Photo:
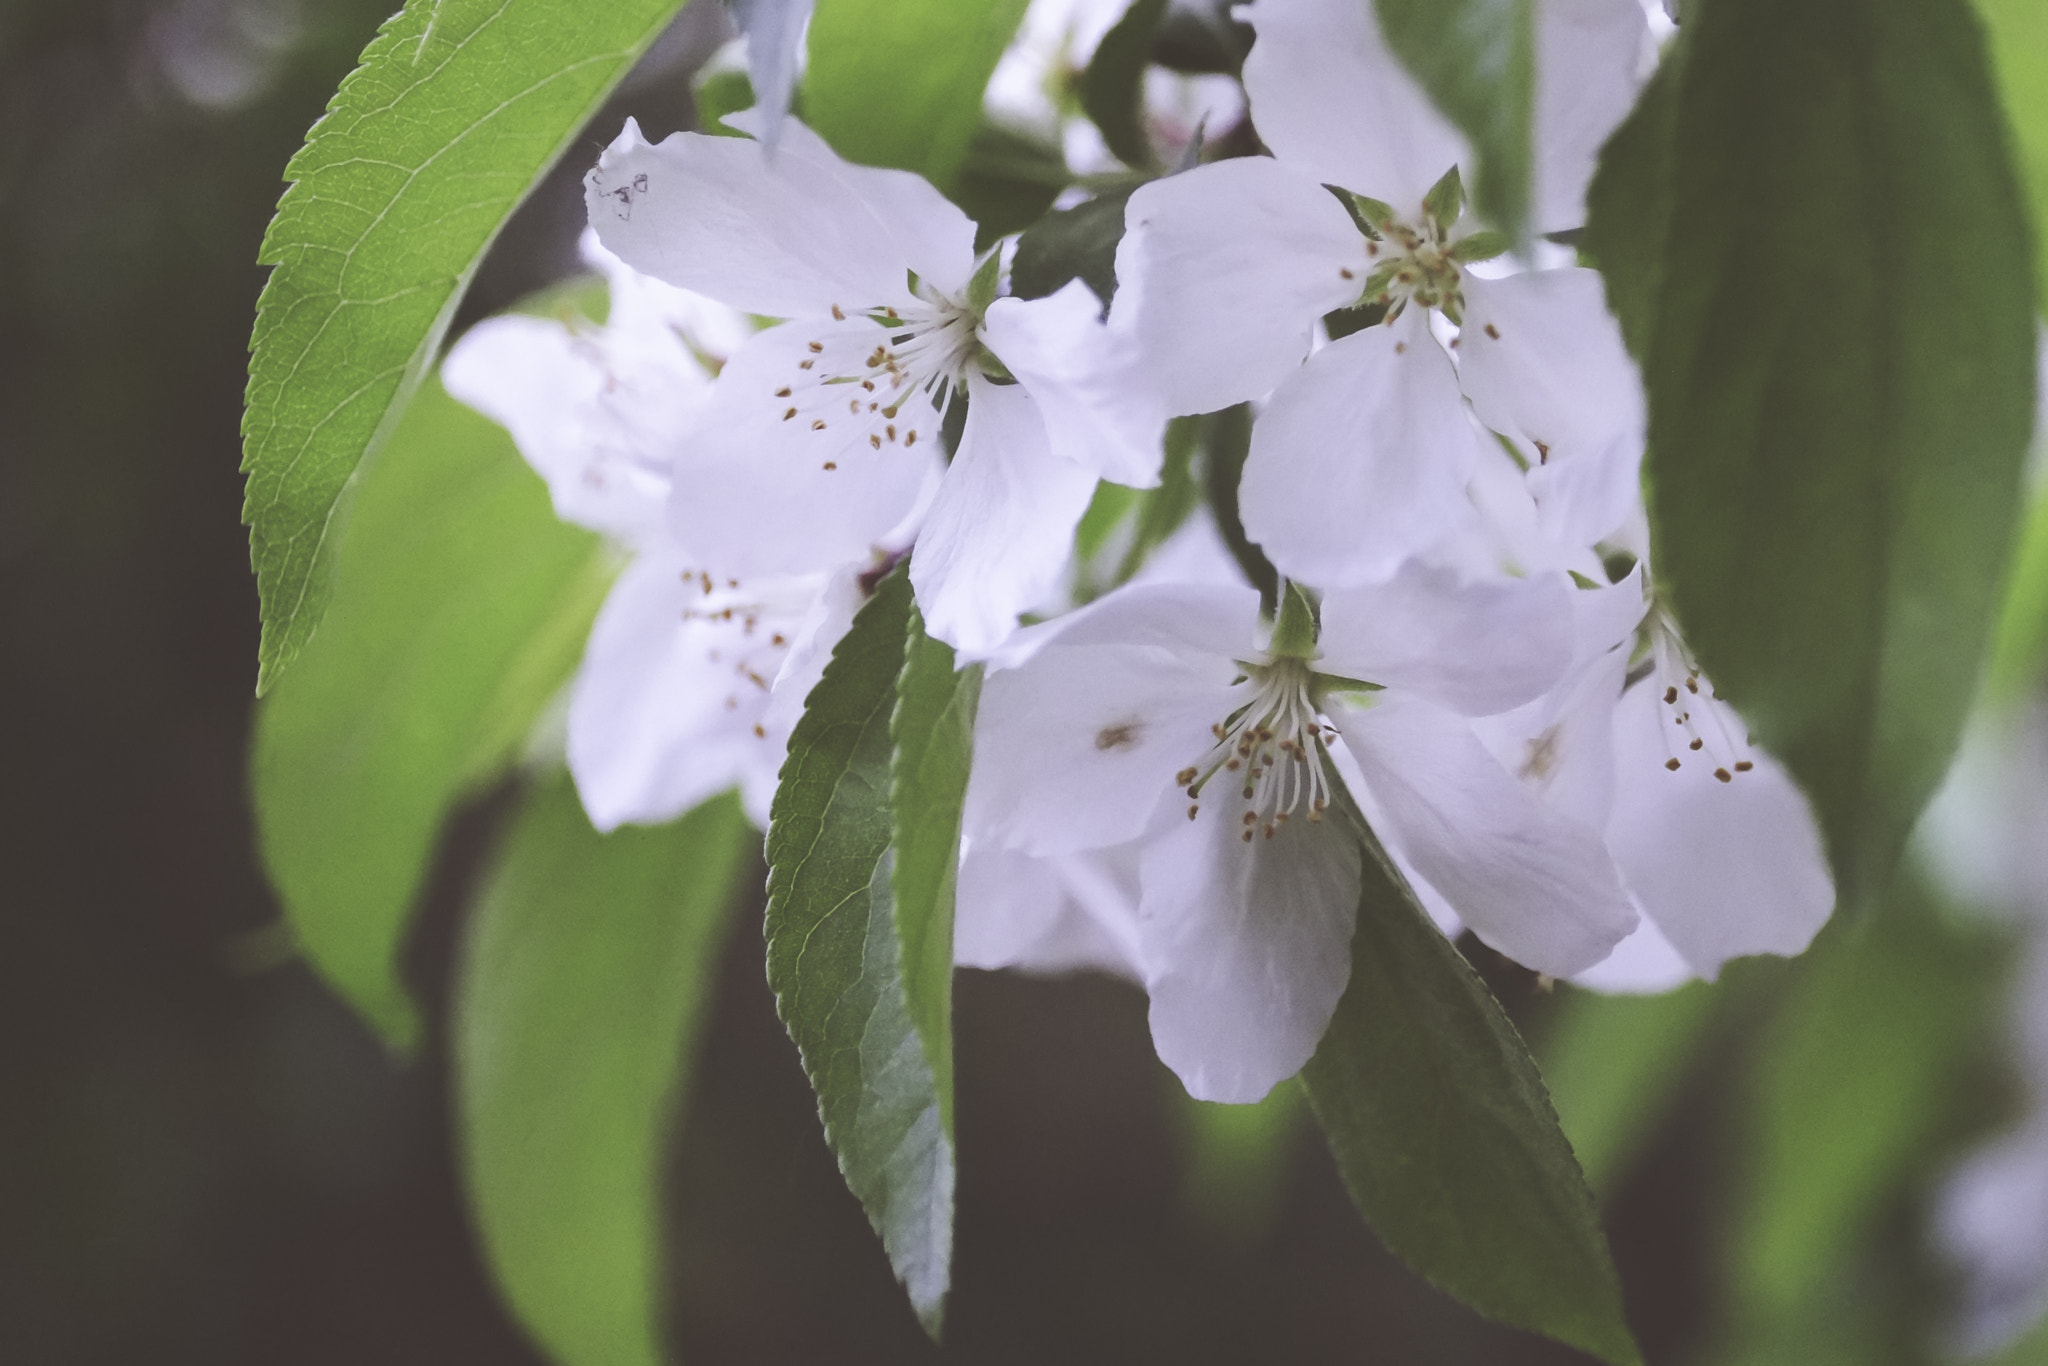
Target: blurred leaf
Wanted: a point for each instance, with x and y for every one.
(933, 734)
(837, 962)
(1860, 1068)
(1226, 443)
(1614, 1064)
(1237, 1160)
(899, 82)
(1113, 86)
(2019, 50)
(457, 111)
(461, 610)
(1071, 244)
(2019, 654)
(1477, 60)
(1818, 248)
(588, 970)
(1446, 1140)
(1008, 181)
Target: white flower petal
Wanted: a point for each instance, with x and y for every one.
(1000, 531)
(1477, 647)
(1201, 620)
(1543, 362)
(664, 707)
(1360, 459)
(787, 235)
(1725, 869)
(1084, 375)
(1247, 946)
(1075, 748)
(1328, 96)
(1589, 65)
(1643, 964)
(545, 386)
(762, 490)
(1535, 884)
(1221, 276)
(1062, 914)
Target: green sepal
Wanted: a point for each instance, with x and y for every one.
(1445, 202)
(1483, 245)
(981, 290)
(1371, 215)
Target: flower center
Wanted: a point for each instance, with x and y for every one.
(1268, 752)
(890, 385)
(1420, 266)
(1702, 726)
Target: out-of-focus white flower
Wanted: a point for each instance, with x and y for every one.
(692, 680)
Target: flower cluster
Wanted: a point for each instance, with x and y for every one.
(1463, 664)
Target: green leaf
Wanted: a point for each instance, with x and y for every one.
(457, 111)
(837, 960)
(933, 734)
(899, 82)
(1862, 1068)
(1446, 1140)
(1113, 86)
(1614, 1064)
(461, 610)
(586, 975)
(1071, 244)
(1817, 247)
(1008, 181)
(1477, 60)
(2019, 49)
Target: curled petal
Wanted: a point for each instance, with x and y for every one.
(1535, 884)
(1061, 914)
(1591, 58)
(1360, 460)
(1000, 530)
(1222, 274)
(1084, 375)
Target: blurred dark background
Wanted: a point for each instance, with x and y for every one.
(205, 1158)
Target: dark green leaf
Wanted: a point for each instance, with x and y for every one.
(461, 610)
(587, 972)
(933, 732)
(1113, 86)
(1614, 1064)
(1817, 246)
(1446, 1140)
(1477, 60)
(899, 82)
(1227, 443)
(1863, 1065)
(1008, 181)
(1073, 244)
(837, 961)
(458, 109)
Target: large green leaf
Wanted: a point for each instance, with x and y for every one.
(933, 732)
(839, 964)
(1819, 252)
(457, 110)
(586, 975)
(899, 82)
(462, 608)
(1477, 60)
(1446, 1140)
